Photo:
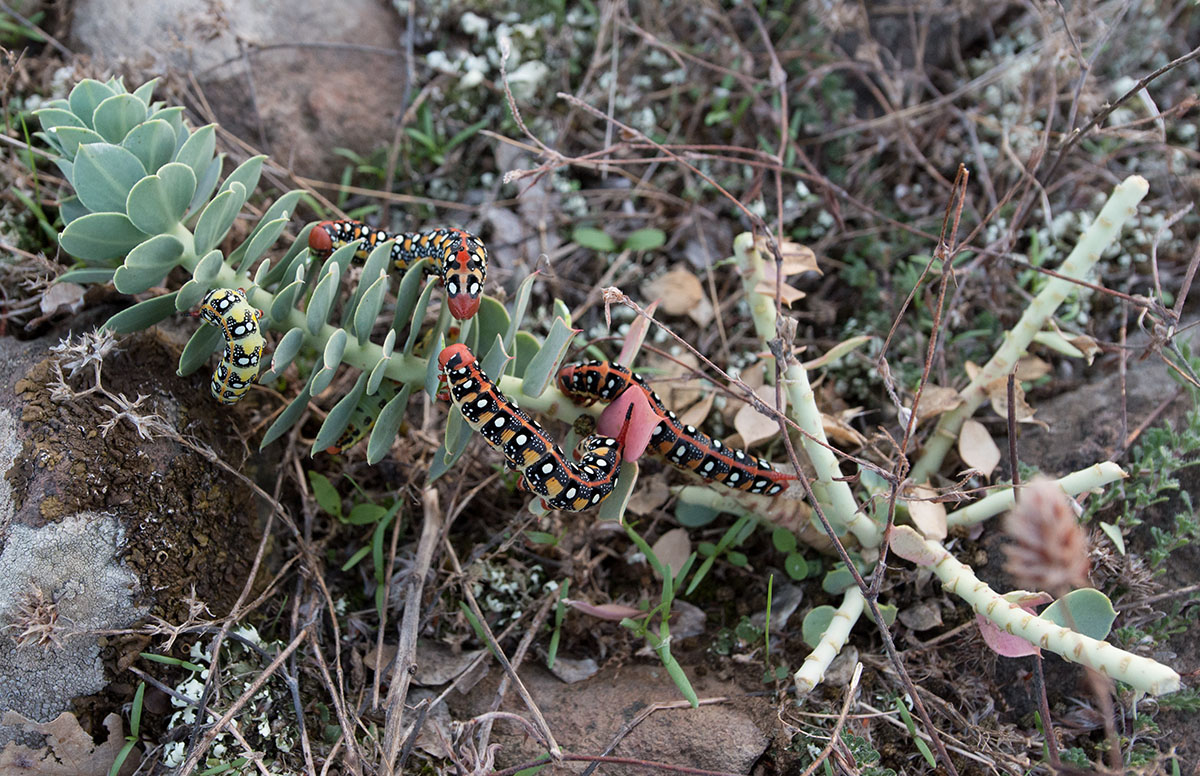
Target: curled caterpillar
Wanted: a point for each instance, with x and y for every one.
(526, 446)
(228, 309)
(684, 447)
(460, 259)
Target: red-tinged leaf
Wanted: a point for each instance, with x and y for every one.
(611, 612)
(1001, 641)
(636, 335)
(642, 421)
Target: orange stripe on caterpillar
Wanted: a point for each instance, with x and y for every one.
(526, 446)
(459, 257)
(229, 310)
(684, 447)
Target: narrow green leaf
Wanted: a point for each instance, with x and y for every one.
(207, 268)
(173, 116)
(326, 494)
(527, 347)
(57, 117)
(117, 116)
(321, 301)
(159, 252)
(206, 183)
(100, 236)
(520, 304)
(156, 203)
(197, 151)
(218, 216)
(288, 418)
(86, 95)
(204, 341)
(456, 429)
(378, 261)
(339, 417)
(86, 275)
(190, 294)
(145, 91)
(260, 240)
(71, 138)
(543, 367)
(142, 315)
(408, 295)
(614, 505)
(71, 208)
(379, 370)
(495, 359)
(369, 307)
(153, 143)
(418, 315)
(247, 173)
(286, 350)
(135, 280)
(285, 300)
(595, 239)
(335, 348)
(387, 425)
(104, 174)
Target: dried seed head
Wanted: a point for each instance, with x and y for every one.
(1050, 548)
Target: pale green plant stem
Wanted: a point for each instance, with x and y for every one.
(1121, 205)
(812, 671)
(1095, 476)
(1141, 673)
(831, 491)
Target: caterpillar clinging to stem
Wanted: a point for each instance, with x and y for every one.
(684, 447)
(229, 310)
(526, 446)
(459, 258)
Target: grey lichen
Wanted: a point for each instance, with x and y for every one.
(58, 584)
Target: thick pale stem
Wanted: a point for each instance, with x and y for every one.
(1095, 476)
(832, 640)
(1141, 673)
(1095, 240)
(831, 491)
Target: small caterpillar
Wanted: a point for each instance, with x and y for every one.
(229, 310)
(684, 447)
(460, 258)
(526, 446)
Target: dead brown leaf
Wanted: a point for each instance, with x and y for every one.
(935, 400)
(928, 516)
(976, 447)
(673, 548)
(752, 426)
(679, 289)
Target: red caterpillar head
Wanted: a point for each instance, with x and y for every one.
(464, 268)
(455, 357)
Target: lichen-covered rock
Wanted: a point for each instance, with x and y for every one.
(102, 523)
(58, 582)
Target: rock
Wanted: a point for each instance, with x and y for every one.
(587, 716)
(299, 78)
(100, 526)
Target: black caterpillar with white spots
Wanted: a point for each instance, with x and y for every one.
(228, 309)
(684, 447)
(460, 258)
(526, 446)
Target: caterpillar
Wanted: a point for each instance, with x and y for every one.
(228, 309)
(460, 258)
(685, 447)
(526, 446)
